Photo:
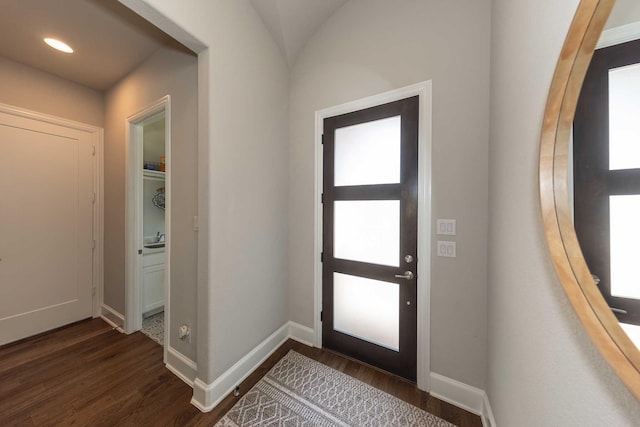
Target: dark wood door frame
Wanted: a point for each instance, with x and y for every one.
(402, 361)
(593, 181)
(424, 91)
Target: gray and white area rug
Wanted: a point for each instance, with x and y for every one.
(299, 391)
(153, 327)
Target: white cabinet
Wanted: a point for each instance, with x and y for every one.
(153, 271)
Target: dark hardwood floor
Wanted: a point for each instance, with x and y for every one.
(87, 374)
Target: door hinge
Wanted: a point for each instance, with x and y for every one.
(93, 199)
(322, 139)
(93, 150)
(321, 256)
(321, 316)
(322, 198)
(93, 244)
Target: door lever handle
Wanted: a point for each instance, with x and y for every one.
(618, 310)
(596, 279)
(407, 275)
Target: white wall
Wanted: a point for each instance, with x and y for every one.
(153, 137)
(372, 46)
(32, 89)
(152, 216)
(244, 298)
(542, 368)
(166, 72)
(153, 148)
(625, 12)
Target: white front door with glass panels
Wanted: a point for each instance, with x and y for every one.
(46, 226)
(370, 214)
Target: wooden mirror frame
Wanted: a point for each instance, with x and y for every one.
(573, 272)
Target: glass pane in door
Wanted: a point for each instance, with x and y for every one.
(368, 153)
(367, 231)
(367, 309)
(633, 332)
(624, 111)
(624, 216)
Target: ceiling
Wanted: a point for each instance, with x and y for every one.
(293, 22)
(110, 40)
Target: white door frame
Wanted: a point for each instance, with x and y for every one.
(133, 222)
(619, 35)
(97, 136)
(423, 90)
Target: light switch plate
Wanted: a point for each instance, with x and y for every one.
(446, 249)
(446, 227)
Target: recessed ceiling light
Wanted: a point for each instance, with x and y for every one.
(57, 44)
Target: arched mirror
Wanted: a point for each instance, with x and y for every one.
(581, 182)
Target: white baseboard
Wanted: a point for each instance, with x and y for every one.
(112, 317)
(207, 396)
(202, 395)
(487, 414)
(463, 396)
(181, 366)
(302, 334)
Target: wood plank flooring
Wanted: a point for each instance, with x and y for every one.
(87, 374)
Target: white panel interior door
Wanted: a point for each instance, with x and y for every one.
(46, 226)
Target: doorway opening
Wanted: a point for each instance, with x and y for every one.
(148, 221)
(370, 216)
(331, 269)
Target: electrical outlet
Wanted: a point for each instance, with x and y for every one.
(446, 227)
(184, 333)
(446, 249)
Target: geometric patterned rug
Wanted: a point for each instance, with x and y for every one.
(153, 327)
(299, 391)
